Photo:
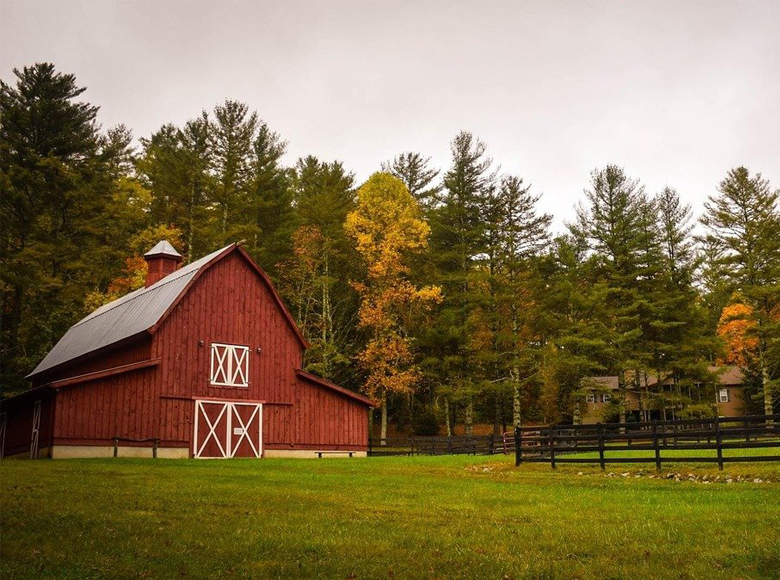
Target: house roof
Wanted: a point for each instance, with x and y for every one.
(141, 311)
(732, 376)
(728, 376)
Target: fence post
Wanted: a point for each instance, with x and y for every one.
(370, 446)
(518, 446)
(449, 445)
(601, 445)
(655, 445)
(154, 449)
(552, 448)
(116, 447)
(492, 444)
(718, 443)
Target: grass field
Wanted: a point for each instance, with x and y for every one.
(426, 517)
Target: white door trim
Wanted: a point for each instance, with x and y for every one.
(227, 415)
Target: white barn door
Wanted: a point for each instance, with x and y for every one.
(227, 429)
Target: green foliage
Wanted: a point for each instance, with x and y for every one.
(524, 320)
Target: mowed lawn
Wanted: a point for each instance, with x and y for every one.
(426, 517)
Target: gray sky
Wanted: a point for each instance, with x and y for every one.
(676, 92)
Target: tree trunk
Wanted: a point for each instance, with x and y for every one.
(516, 415)
(768, 407)
(576, 419)
(447, 416)
(383, 431)
(497, 415)
(623, 398)
(469, 416)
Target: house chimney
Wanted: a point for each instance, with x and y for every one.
(162, 260)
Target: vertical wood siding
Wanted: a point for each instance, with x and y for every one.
(228, 304)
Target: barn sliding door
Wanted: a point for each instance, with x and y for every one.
(228, 429)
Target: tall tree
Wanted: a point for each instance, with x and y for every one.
(617, 225)
(743, 223)
(415, 172)
(233, 132)
(387, 227)
(57, 175)
(271, 200)
(457, 240)
(176, 166)
(323, 196)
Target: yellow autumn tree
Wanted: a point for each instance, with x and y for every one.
(387, 228)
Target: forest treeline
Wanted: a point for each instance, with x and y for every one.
(440, 291)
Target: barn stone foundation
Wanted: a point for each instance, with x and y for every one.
(96, 451)
(309, 453)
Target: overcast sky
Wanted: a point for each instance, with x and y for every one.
(676, 92)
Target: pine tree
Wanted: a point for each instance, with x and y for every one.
(176, 167)
(617, 226)
(413, 169)
(323, 194)
(57, 176)
(233, 131)
(458, 240)
(271, 200)
(743, 223)
(682, 343)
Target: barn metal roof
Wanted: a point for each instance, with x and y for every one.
(123, 318)
(163, 248)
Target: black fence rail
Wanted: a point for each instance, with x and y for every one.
(573, 443)
(455, 445)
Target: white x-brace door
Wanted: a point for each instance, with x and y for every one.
(232, 427)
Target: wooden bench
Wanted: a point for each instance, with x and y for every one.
(321, 453)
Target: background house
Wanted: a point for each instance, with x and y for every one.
(654, 400)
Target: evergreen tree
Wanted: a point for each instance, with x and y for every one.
(743, 223)
(176, 166)
(323, 194)
(272, 201)
(57, 175)
(413, 169)
(233, 131)
(617, 226)
(458, 241)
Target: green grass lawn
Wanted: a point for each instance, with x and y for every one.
(422, 517)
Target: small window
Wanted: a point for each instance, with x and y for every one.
(590, 398)
(723, 396)
(606, 397)
(229, 365)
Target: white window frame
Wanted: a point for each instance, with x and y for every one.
(590, 398)
(723, 396)
(606, 398)
(231, 367)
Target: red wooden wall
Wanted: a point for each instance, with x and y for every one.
(229, 303)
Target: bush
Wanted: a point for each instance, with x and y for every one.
(425, 423)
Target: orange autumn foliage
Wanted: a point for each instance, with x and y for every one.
(736, 322)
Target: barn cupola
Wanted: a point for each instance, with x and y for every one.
(162, 260)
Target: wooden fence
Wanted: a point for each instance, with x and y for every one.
(572, 443)
(456, 445)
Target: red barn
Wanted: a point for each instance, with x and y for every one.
(205, 361)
